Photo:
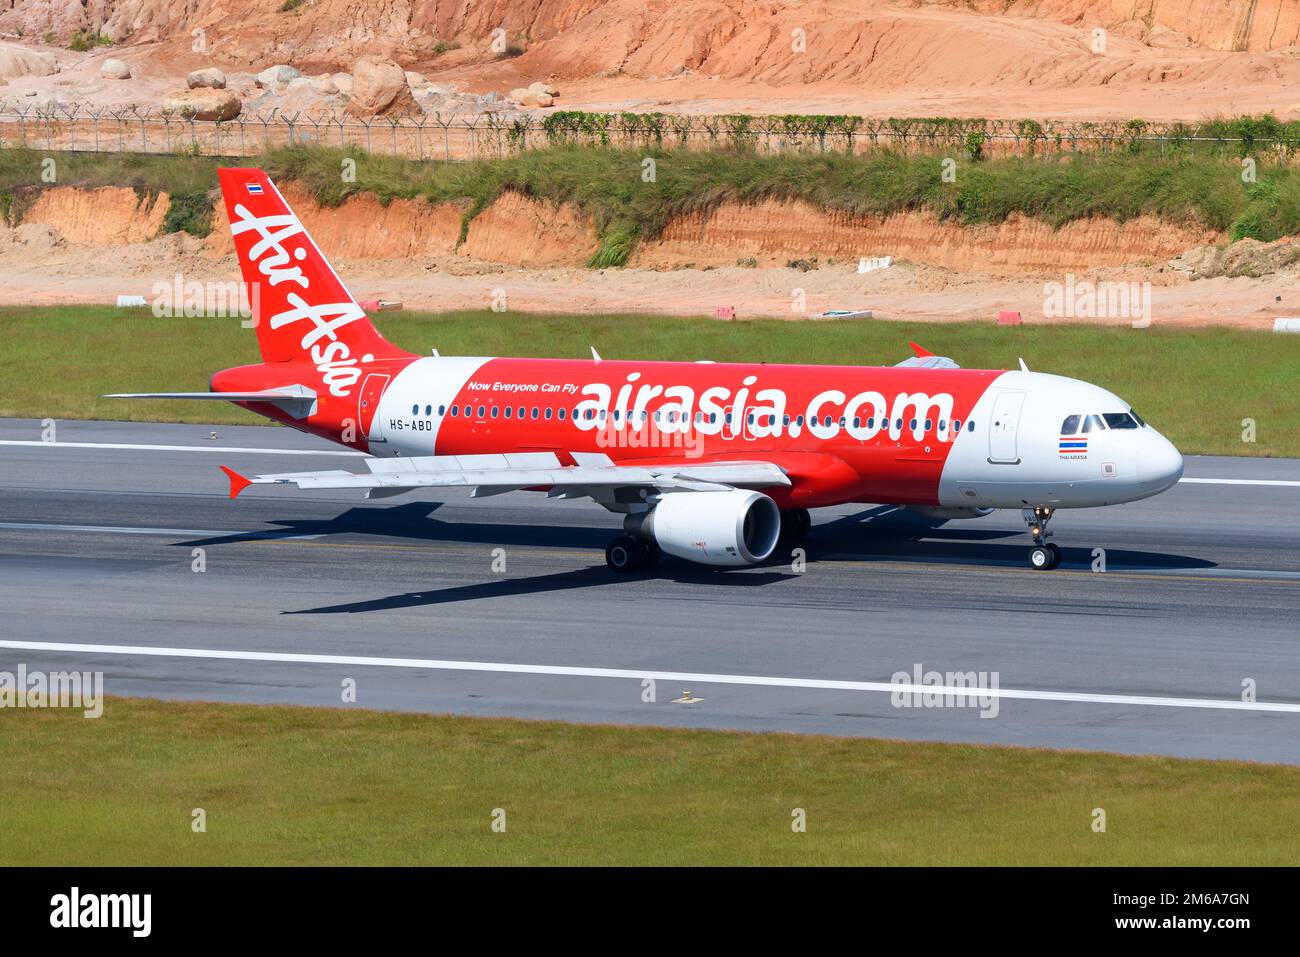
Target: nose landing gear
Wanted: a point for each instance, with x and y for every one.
(1044, 555)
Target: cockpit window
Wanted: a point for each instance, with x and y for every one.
(1092, 423)
(1137, 418)
(1071, 425)
(1119, 420)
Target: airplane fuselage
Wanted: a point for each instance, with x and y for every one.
(938, 438)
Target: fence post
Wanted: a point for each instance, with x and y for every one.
(72, 125)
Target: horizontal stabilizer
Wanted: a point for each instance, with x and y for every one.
(928, 362)
(296, 400)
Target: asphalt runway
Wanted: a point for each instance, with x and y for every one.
(302, 591)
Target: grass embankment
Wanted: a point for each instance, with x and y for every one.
(608, 185)
(1196, 386)
(317, 786)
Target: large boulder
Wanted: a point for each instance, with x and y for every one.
(344, 83)
(209, 78)
(203, 104)
(325, 84)
(540, 87)
(379, 88)
(112, 69)
(526, 96)
(276, 76)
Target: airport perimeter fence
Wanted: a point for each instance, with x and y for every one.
(440, 136)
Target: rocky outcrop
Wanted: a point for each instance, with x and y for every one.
(210, 78)
(362, 227)
(275, 77)
(527, 96)
(518, 230)
(112, 69)
(774, 233)
(112, 216)
(648, 37)
(379, 88)
(203, 104)
(16, 61)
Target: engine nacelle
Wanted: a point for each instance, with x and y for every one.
(950, 511)
(733, 527)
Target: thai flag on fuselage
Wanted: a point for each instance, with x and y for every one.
(1074, 444)
(255, 189)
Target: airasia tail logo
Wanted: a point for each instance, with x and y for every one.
(333, 357)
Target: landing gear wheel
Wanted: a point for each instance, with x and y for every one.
(624, 554)
(795, 524)
(1040, 558)
(1044, 555)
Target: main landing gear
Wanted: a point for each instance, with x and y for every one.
(1044, 556)
(626, 555)
(795, 524)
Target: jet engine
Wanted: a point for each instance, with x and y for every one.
(732, 527)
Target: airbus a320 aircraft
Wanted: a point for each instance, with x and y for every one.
(710, 462)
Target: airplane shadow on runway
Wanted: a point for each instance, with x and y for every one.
(896, 534)
(593, 577)
(881, 533)
(415, 521)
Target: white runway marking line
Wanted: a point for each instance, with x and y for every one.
(1286, 483)
(1224, 704)
(225, 449)
(109, 529)
(130, 530)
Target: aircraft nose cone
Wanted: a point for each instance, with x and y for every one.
(1161, 466)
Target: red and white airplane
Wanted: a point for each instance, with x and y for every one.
(709, 462)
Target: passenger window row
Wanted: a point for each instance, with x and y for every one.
(561, 414)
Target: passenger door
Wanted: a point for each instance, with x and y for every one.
(1004, 426)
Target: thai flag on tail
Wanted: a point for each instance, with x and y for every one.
(255, 189)
(1074, 444)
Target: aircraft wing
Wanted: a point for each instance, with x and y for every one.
(594, 475)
